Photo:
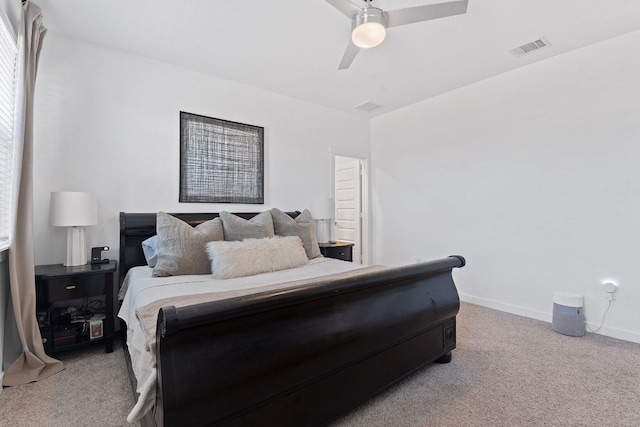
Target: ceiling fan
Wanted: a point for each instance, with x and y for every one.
(369, 24)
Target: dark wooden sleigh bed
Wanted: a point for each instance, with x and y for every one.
(299, 357)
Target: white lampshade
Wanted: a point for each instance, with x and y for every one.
(322, 208)
(74, 210)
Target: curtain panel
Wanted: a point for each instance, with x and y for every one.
(33, 364)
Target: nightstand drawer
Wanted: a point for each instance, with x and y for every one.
(66, 288)
(340, 251)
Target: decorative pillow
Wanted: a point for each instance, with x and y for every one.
(150, 249)
(182, 248)
(231, 259)
(236, 228)
(302, 226)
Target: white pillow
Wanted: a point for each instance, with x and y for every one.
(255, 256)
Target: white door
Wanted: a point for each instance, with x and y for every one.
(348, 203)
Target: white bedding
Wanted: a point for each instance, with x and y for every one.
(142, 289)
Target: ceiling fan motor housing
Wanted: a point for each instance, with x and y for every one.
(368, 27)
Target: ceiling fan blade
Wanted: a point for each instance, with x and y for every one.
(349, 55)
(346, 7)
(427, 12)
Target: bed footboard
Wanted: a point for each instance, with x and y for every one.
(303, 356)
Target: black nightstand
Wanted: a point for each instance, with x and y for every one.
(337, 250)
(70, 302)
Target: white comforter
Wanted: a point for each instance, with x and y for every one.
(142, 289)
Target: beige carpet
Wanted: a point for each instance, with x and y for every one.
(92, 391)
(507, 371)
(514, 371)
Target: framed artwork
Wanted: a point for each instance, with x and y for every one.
(220, 161)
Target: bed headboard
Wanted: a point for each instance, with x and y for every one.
(137, 227)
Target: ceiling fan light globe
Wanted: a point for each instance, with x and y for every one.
(369, 34)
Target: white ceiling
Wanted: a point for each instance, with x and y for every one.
(294, 47)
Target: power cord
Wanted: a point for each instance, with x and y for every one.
(602, 321)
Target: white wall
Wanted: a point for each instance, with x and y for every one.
(533, 176)
(108, 122)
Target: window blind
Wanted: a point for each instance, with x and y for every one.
(8, 51)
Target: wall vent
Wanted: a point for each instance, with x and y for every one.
(530, 47)
(367, 106)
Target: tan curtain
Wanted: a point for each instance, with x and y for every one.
(33, 364)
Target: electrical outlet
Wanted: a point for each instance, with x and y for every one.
(610, 288)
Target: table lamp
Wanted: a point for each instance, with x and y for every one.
(322, 210)
(74, 210)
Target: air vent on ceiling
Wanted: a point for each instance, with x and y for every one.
(367, 106)
(530, 47)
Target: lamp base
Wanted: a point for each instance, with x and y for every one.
(324, 231)
(76, 249)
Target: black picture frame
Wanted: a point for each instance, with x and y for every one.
(220, 161)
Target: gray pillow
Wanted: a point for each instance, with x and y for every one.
(182, 248)
(302, 226)
(236, 228)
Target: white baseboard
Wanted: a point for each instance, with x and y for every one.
(508, 308)
(621, 334)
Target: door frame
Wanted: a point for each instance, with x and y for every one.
(365, 162)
